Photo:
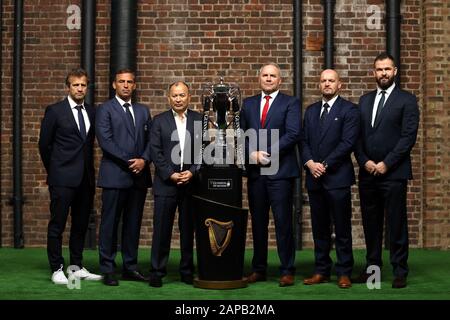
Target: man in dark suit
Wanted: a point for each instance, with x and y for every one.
(122, 129)
(330, 131)
(280, 115)
(66, 147)
(172, 151)
(389, 124)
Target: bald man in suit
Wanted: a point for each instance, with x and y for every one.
(330, 131)
(280, 115)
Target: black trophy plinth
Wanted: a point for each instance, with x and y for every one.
(221, 225)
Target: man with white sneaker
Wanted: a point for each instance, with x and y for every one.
(66, 147)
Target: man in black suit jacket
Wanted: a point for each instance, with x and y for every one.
(330, 131)
(172, 151)
(123, 134)
(389, 124)
(66, 147)
(279, 114)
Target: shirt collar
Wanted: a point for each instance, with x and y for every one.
(273, 95)
(122, 102)
(72, 103)
(388, 90)
(176, 114)
(330, 102)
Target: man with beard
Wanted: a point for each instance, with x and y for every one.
(330, 131)
(389, 123)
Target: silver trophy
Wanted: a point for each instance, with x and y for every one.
(221, 107)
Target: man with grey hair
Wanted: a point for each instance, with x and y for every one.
(280, 115)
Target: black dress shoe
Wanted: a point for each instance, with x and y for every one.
(110, 280)
(133, 276)
(399, 282)
(187, 278)
(155, 281)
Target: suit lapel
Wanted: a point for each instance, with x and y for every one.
(272, 109)
(171, 128)
(123, 115)
(257, 112)
(386, 106)
(68, 113)
(137, 118)
(369, 109)
(314, 121)
(172, 125)
(188, 142)
(90, 112)
(330, 118)
(189, 128)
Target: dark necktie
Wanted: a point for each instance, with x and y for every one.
(81, 122)
(265, 111)
(324, 114)
(129, 116)
(380, 106)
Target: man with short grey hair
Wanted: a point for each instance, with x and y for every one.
(279, 114)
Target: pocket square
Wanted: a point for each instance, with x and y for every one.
(336, 119)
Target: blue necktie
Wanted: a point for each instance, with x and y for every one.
(129, 116)
(81, 122)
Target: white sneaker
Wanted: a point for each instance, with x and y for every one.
(83, 274)
(58, 277)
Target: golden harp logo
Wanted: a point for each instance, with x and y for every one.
(219, 235)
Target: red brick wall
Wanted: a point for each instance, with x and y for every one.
(436, 124)
(198, 41)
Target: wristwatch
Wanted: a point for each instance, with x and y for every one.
(325, 164)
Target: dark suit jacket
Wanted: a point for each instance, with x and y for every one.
(284, 115)
(393, 135)
(64, 153)
(162, 147)
(333, 144)
(118, 143)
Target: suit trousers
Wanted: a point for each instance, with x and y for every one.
(79, 202)
(163, 219)
(329, 206)
(378, 197)
(263, 194)
(128, 203)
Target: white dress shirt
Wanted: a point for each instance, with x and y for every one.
(330, 103)
(378, 98)
(122, 102)
(273, 95)
(73, 105)
(180, 121)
